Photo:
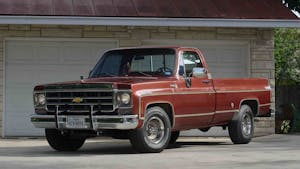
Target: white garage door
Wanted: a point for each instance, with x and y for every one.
(31, 62)
(225, 58)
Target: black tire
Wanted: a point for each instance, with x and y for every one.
(241, 128)
(141, 139)
(174, 137)
(61, 142)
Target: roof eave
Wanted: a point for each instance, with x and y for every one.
(145, 21)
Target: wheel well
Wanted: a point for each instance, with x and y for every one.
(253, 105)
(167, 108)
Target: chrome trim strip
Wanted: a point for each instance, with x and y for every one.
(238, 91)
(263, 105)
(207, 114)
(175, 93)
(208, 92)
(227, 111)
(194, 115)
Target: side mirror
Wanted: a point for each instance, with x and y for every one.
(199, 72)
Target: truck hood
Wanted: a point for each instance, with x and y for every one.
(114, 82)
(126, 80)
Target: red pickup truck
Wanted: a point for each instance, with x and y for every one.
(148, 95)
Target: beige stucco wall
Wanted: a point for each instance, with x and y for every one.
(261, 41)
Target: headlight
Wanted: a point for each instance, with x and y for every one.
(124, 99)
(39, 99)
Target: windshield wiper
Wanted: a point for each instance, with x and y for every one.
(105, 74)
(142, 73)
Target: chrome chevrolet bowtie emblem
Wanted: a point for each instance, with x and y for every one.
(77, 100)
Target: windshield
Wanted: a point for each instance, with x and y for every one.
(136, 62)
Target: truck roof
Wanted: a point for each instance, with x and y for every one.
(151, 47)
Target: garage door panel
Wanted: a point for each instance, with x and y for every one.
(21, 55)
(29, 63)
(51, 71)
(20, 75)
(71, 55)
(48, 54)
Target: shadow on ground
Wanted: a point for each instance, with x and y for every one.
(91, 148)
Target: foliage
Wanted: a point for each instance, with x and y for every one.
(285, 126)
(292, 4)
(287, 56)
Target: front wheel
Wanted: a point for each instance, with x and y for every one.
(241, 129)
(61, 142)
(174, 137)
(155, 134)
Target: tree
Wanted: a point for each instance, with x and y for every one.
(292, 4)
(287, 56)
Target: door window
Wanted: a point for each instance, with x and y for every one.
(190, 60)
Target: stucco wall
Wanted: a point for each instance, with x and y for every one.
(261, 41)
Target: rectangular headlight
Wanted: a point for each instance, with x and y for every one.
(124, 99)
(39, 99)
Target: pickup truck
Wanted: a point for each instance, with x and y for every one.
(148, 95)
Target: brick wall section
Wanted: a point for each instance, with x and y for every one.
(261, 41)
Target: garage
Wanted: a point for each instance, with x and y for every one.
(35, 61)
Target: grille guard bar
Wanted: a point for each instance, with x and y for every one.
(91, 122)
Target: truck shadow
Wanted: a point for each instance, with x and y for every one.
(190, 144)
(92, 148)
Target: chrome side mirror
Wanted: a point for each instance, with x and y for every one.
(199, 72)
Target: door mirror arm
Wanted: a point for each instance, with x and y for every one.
(188, 82)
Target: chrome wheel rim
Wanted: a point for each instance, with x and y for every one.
(246, 124)
(155, 130)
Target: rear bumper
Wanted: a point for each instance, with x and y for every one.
(124, 122)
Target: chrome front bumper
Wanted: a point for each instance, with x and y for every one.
(124, 122)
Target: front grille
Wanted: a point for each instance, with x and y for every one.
(101, 101)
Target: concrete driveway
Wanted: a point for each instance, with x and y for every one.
(276, 151)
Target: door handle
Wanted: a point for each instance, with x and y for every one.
(205, 81)
(173, 86)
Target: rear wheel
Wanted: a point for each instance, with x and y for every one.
(61, 142)
(155, 134)
(241, 129)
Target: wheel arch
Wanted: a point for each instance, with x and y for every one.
(167, 107)
(253, 103)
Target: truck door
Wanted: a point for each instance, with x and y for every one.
(195, 94)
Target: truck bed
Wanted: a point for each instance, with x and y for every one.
(230, 94)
